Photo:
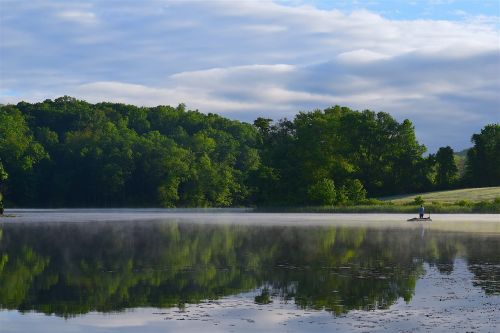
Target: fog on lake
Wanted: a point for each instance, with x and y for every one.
(227, 270)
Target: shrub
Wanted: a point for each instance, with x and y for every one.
(464, 203)
(342, 195)
(322, 192)
(355, 190)
(375, 202)
(418, 200)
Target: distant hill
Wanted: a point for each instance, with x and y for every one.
(469, 194)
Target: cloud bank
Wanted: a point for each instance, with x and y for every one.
(245, 59)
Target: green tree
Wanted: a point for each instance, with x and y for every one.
(323, 192)
(111, 154)
(446, 168)
(3, 177)
(68, 152)
(483, 159)
(355, 190)
(418, 200)
(160, 167)
(263, 125)
(342, 195)
(19, 153)
(341, 144)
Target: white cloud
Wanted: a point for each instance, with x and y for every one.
(361, 56)
(265, 28)
(151, 96)
(82, 17)
(252, 58)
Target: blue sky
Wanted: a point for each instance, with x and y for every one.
(454, 10)
(436, 62)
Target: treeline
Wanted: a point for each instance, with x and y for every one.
(71, 153)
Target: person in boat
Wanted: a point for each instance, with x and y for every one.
(421, 211)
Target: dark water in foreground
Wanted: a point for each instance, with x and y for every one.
(157, 271)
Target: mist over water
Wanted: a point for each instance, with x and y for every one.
(456, 222)
(225, 270)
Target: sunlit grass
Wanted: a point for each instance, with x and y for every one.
(468, 194)
(472, 200)
(487, 208)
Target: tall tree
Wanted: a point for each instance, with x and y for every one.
(68, 152)
(19, 153)
(446, 167)
(483, 159)
(340, 144)
(3, 177)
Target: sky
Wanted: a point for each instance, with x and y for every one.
(435, 62)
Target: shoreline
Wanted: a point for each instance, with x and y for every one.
(486, 224)
(356, 209)
(384, 209)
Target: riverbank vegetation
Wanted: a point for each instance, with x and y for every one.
(469, 200)
(471, 195)
(70, 153)
(459, 207)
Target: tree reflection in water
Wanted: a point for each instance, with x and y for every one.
(70, 269)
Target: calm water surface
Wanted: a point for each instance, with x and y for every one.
(233, 271)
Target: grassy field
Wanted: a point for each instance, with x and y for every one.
(491, 208)
(463, 201)
(468, 194)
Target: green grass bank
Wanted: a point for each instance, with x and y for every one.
(448, 197)
(463, 201)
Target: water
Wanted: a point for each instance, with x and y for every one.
(234, 271)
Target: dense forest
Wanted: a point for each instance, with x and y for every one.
(70, 153)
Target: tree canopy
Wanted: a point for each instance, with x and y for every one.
(70, 153)
(73, 153)
(483, 159)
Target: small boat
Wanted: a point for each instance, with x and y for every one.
(416, 219)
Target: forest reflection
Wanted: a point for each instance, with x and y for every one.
(70, 269)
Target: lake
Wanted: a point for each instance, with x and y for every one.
(225, 270)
